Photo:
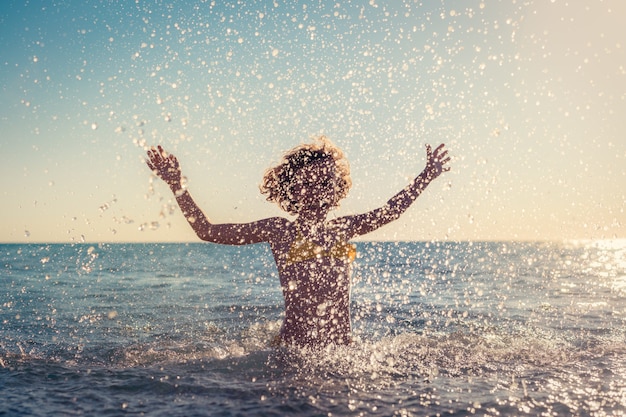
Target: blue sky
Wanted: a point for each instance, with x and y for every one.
(529, 96)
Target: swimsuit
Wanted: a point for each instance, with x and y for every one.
(302, 250)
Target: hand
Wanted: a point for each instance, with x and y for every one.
(165, 166)
(436, 161)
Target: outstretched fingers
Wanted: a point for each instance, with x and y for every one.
(158, 159)
(429, 154)
(438, 154)
(158, 156)
(152, 158)
(444, 159)
(153, 155)
(437, 160)
(441, 155)
(440, 150)
(163, 153)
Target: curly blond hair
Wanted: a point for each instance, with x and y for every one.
(278, 180)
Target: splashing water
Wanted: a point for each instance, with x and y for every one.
(489, 327)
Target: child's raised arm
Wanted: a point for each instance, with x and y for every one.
(166, 167)
(367, 222)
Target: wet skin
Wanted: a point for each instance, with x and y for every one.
(316, 290)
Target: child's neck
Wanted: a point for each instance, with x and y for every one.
(312, 217)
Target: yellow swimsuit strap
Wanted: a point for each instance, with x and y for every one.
(302, 250)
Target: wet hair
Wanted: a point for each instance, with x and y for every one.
(278, 180)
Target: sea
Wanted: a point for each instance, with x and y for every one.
(440, 329)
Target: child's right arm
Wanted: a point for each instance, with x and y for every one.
(166, 167)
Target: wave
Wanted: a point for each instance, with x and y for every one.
(424, 355)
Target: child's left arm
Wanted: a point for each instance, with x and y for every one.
(436, 164)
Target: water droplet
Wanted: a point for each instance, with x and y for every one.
(94, 126)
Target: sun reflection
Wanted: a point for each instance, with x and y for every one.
(612, 259)
(602, 259)
(609, 244)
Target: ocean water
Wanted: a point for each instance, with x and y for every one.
(441, 329)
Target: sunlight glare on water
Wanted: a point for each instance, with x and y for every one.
(184, 319)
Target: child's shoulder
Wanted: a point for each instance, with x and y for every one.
(278, 224)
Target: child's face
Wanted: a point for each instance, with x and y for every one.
(315, 185)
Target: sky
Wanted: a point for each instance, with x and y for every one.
(529, 97)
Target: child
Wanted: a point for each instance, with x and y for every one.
(312, 253)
